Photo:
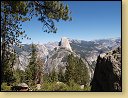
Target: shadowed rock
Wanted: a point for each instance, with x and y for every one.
(107, 75)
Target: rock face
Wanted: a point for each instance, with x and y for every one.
(107, 75)
(23, 57)
(90, 50)
(65, 43)
(51, 45)
(58, 60)
(42, 51)
(22, 60)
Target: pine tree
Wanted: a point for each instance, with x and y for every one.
(8, 71)
(54, 75)
(76, 71)
(19, 76)
(61, 76)
(39, 73)
(69, 73)
(32, 67)
(13, 13)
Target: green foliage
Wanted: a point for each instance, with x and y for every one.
(76, 74)
(54, 86)
(69, 74)
(40, 70)
(60, 87)
(19, 76)
(48, 86)
(5, 87)
(7, 70)
(61, 76)
(87, 88)
(8, 76)
(13, 13)
(76, 71)
(34, 71)
(53, 76)
(32, 67)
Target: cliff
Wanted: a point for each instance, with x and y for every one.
(65, 43)
(107, 75)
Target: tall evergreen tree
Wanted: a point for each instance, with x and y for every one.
(19, 76)
(54, 75)
(76, 71)
(39, 71)
(13, 13)
(32, 66)
(7, 72)
(69, 73)
(61, 76)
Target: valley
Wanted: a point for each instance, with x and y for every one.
(54, 57)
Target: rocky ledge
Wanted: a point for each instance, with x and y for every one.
(107, 75)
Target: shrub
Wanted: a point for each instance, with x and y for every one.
(5, 87)
(47, 86)
(74, 86)
(87, 88)
(60, 86)
(53, 86)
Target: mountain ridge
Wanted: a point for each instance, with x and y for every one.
(89, 50)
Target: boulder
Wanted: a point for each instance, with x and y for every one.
(20, 87)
